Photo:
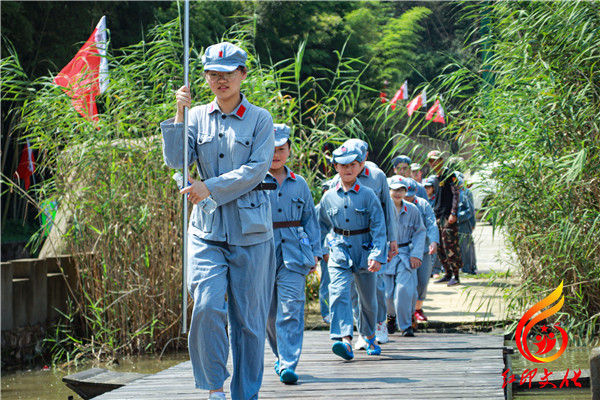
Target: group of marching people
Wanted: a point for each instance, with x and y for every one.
(248, 256)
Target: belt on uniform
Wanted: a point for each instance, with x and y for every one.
(403, 244)
(285, 224)
(347, 232)
(266, 186)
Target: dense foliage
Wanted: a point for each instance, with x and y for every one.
(534, 124)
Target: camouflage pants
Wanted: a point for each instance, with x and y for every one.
(449, 248)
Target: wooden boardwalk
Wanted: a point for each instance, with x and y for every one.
(427, 366)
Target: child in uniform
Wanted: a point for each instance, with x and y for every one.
(431, 241)
(356, 251)
(401, 277)
(375, 179)
(297, 248)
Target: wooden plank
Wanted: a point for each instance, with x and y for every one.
(428, 366)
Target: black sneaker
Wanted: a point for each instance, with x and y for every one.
(391, 324)
(408, 332)
(444, 279)
(454, 281)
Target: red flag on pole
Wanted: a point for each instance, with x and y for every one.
(26, 165)
(417, 102)
(438, 111)
(86, 75)
(401, 94)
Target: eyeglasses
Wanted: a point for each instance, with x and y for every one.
(213, 77)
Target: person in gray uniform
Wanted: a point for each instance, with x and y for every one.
(466, 223)
(400, 272)
(357, 248)
(324, 281)
(298, 249)
(432, 239)
(231, 253)
(374, 178)
(403, 167)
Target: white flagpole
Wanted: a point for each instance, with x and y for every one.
(186, 45)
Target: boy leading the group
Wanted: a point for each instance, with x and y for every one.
(357, 248)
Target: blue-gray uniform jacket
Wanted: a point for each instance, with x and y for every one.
(233, 153)
(466, 213)
(410, 236)
(292, 201)
(428, 218)
(375, 179)
(356, 209)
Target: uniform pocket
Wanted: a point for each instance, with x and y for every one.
(297, 208)
(333, 216)
(241, 150)
(204, 148)
(253, 211)
(362, 217)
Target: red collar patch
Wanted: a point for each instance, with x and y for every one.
(356, 187)
(221, 53)
(405, 209)
(292, 175)
(241, 111)
(367, 172)
(212, 107)
(337, 187)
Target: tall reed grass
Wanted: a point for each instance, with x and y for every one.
(124, 209)
(532, 111)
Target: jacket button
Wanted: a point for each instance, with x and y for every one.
(280, 210)
(279, 194)
(282, 240)
(220, 135)
(349, 246)
(221, 155)
(345, 206)
(347, 220)
(223, 116)
(247, 143)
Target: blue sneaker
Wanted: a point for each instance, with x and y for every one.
(372, 348)
(276, 366)
(343, 350)
(288, 376)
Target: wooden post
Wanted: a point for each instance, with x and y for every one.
(7, 296)
(37, 273)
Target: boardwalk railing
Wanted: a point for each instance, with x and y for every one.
(34, 290)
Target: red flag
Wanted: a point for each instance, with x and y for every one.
(86, 76)
(383, 97)
(417, 102)
(26, 165)
(438, 111)
(401, 94)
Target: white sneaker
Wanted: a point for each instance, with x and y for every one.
(361, 343)
(382, 333)
(217, 396)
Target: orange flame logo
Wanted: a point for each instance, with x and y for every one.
(545, 343)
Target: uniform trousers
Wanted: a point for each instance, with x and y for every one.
(401, 291)
(245, 274)
(423, 275)
(340, 295)
(467, 252)
(381, 303)
(285, 324)
(324, 289)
